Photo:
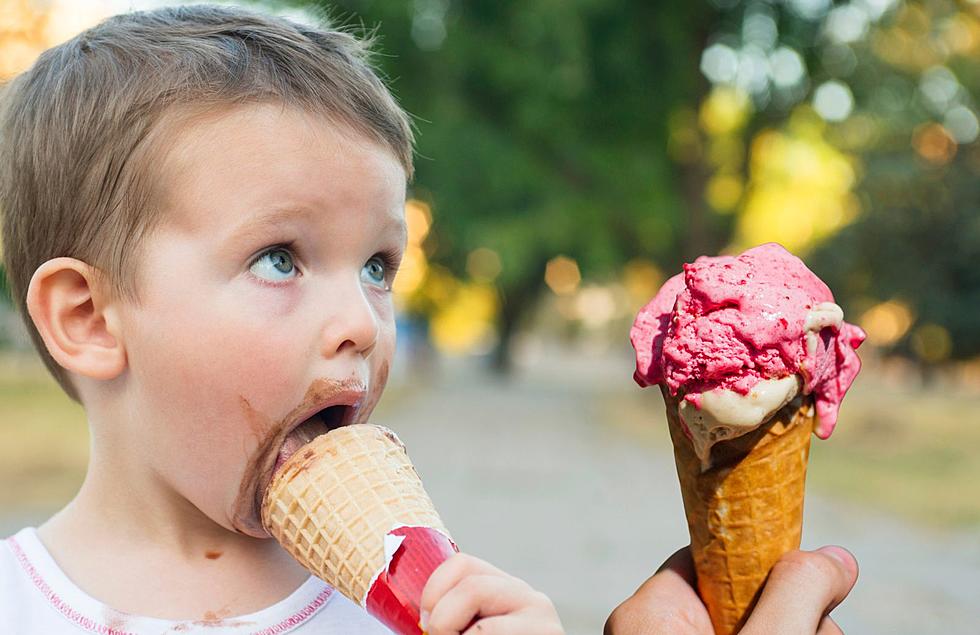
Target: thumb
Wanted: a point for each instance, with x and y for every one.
(803, 587)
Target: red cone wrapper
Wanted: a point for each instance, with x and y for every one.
(396, 594)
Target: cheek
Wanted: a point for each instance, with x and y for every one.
(384, 312)
(199, 362)
(212, 377)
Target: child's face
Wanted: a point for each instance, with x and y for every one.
(264, 298)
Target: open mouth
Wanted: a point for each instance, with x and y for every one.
(328, 405)
(320, 423)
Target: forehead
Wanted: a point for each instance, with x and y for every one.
(224, 166)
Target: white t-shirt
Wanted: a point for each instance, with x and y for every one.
(37, 597)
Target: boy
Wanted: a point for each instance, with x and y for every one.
(203, 215)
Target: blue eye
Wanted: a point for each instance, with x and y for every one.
(274, 264)
(374, 272)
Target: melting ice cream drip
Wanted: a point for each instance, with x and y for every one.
(725, 414)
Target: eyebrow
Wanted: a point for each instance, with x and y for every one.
(269, 221)
(398, 222)
(272, 220)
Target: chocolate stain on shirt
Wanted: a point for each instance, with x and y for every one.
(215, 616)
(115, 620)
(222, 623)
(217, 619)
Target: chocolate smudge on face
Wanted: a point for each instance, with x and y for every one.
(246, 510)
(381, 379)
(257, 422)
(212, 555)
(378, 387)
(243, 511)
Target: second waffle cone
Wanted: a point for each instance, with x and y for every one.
(332, 503)
(746, 511)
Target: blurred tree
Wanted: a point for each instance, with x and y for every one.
(848, 131)
(542, 127)
(908, 85)
(605, 131)
(915, 83)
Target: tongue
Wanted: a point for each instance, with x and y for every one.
(303, 434)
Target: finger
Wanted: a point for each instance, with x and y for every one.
(479, 596)
(802, 588)
(449, 573)
(665, 603)
(828, 627)
(847, 559)
(509, 624)
(673, 585)
(682, 564)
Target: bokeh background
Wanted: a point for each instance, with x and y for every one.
(571, 155)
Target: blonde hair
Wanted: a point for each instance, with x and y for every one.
(79, 129)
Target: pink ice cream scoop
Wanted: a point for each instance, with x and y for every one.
(731, 322)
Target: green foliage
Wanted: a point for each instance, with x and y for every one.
(542, 125)
(918, 238)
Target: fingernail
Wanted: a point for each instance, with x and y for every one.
(837, 553)
(424, 620)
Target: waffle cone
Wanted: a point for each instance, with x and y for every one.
(746, 511)
(331, 504)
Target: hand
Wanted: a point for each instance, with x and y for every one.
(466, 595)
(802, 590)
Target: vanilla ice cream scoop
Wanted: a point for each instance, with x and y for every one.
(725, 414)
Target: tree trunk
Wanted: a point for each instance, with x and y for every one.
(515, 303)
(698, 240)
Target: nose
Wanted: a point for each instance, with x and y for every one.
(352, 324)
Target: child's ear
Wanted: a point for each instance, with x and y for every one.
(78, 324)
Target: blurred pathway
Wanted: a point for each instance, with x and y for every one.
(527, 476)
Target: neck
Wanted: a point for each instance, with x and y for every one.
(124, 519)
